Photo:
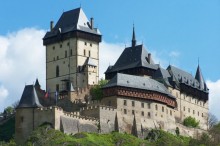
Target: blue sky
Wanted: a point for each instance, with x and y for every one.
(175, 32)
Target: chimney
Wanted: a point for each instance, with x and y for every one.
(92, 23)
(51, 25)
(149, 58)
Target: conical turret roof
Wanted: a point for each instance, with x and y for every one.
(29, 98)
(199, 78)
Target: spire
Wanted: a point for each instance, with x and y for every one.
(37, 83)
(133, 38)
(200, 78)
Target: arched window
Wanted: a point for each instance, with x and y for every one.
(57, 71)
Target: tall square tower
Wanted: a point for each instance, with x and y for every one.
(72, 52)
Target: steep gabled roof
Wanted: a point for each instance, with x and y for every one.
(162, 75)
(29, 98)
(71, 21)
(137, 82)
(133, 57)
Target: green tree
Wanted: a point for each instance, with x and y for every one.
(96, 91)
(190, 122)
(9, 110)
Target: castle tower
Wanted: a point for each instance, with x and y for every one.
(25, 115)
(72, 52)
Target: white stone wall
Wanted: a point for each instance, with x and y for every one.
(57, 54)
(190, 106)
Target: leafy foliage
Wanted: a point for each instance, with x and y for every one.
(7, 130)
(45, 135)
(96, 91)
(190, 122)
(162, 138)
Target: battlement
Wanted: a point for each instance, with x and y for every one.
(95, 102)
(49, 108)
(103, 107)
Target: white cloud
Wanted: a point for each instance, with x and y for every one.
(174, 54)
(214, 96)
(3, 93)
(109, 53)
(22, 60)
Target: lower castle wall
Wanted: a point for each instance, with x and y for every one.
(102, 119)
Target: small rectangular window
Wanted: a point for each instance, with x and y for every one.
(84, 52)
(142, 113)
(68, 44)
(125, 102)
(85, 43)
(61, 45)
(65, 54)
(132, 112)
(142, 105)
(198, 113)
(53, 47)
(148, 114)
(189, 110)
(170, 112)
(162, 109)
(148, 105)
(71, 52)
(90, 44)
(57, 87)
(125, 111)
(89, 53)
(22, 119)
(156, 107)
(133, 103)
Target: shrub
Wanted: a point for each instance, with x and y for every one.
(190, 122)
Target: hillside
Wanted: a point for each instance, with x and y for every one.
(46, 136)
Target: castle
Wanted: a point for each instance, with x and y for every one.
(140, 95)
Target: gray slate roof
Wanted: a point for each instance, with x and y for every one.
(133, 57)
(71, 21)
(137, 82)
(29, 98)
(181, 76)
(162, 75)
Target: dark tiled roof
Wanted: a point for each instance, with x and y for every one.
(133, 57)
(29, 98)
(70, 21)
(138, 82)
(162, 75)
(181, 76)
